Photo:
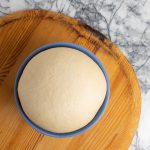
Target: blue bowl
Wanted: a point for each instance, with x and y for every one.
(101, 109)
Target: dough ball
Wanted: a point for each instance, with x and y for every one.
(61, 89)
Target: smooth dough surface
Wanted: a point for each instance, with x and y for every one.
(61, 89)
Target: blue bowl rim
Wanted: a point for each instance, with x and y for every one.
(98, 114)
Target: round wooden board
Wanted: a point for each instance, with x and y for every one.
(24, 31)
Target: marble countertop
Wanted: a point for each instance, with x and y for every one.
(124, 22)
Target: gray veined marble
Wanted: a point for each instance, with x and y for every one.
(126, 23)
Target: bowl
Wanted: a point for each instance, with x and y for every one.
(98, 114)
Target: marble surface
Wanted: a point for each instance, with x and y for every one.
(126, 23)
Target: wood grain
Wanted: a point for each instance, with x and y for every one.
(20, 34)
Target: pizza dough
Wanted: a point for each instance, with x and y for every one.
(61, 89)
